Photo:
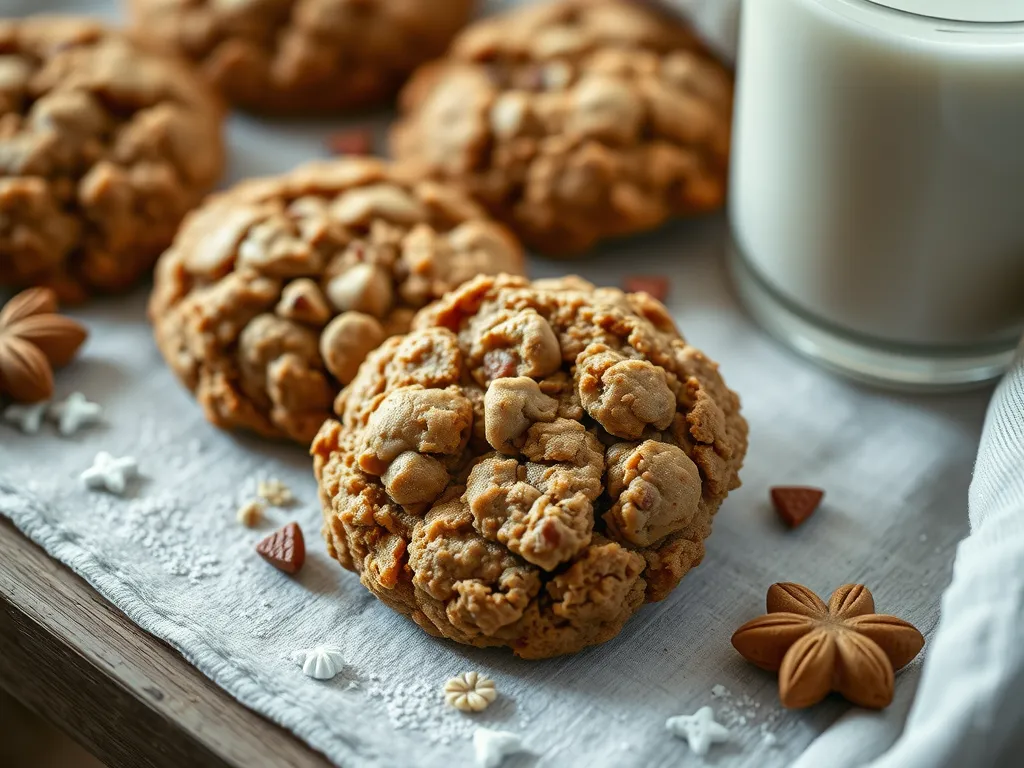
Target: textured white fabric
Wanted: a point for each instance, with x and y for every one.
(896, 470)
(969, 707)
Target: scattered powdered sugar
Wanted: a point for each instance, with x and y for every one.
(418, 705)
(738, 711)
(159, 524)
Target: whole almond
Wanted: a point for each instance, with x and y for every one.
(34, 301)
(805, 677)
(863, 675)
(25, 373)
(788, 597)
(56, 336)
(851, 600)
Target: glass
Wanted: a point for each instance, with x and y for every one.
(877, 193)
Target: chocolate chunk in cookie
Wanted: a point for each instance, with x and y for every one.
(530, 464)
(303, 56)
(574, 121)
(274, 292)
(104, 146)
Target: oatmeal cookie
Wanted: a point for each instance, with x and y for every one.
(530, 465)
(104, 146)
(574, 121)
(274, 291)
(303, 56)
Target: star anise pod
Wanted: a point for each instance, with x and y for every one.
(34, 340)
(844, 646)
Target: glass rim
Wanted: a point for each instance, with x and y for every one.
(965, 11)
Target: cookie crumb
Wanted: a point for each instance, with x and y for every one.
(470, 692)
(275, 493)
(251, 514)
(794, 504)
(656, 286)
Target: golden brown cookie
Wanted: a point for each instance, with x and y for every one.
(274, 291)
(574, 121)
(104, 146)
(303, 56)
(530, 465)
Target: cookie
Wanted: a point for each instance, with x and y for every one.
(529, 465)
(574, 121)
(303, 56)
(104, 146)
(274, 291)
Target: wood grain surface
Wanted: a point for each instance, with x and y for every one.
(132, 700)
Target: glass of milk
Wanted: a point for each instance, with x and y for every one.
(877, 194)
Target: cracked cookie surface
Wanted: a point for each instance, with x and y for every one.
(104, 146)
(530, 464)
(574, 121)
(303, 56)
(274, 291)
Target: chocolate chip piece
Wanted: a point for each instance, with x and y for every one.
(655, 286)
(794, 504)
(285, 549)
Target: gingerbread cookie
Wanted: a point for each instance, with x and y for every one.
(574, 121)
(104, 146)
(530, 465)
(303, 56)
(274, 291)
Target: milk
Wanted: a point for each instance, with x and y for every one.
(877, 187)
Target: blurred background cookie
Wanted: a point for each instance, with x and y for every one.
(303, 56)
(574, 121)
(104, 146)
(275, 291)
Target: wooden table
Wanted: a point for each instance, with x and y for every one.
(132, 700)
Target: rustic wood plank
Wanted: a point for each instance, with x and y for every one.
(129, 698)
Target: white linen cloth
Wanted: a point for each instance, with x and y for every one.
(896, 470)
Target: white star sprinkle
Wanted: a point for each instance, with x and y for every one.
(27, 418)
(699, 729)
(110, 474)
(492, 747)
(74, 413)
